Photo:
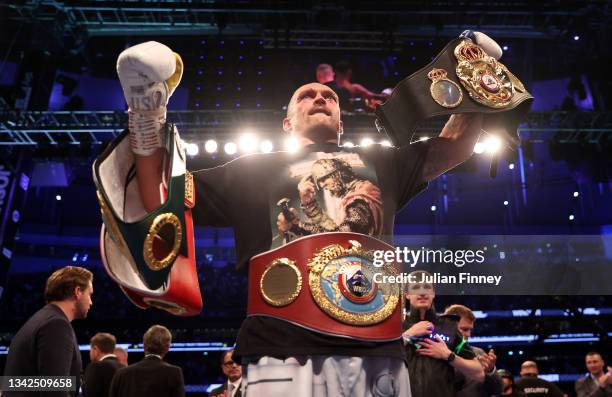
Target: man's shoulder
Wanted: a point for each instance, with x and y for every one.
(218, 391)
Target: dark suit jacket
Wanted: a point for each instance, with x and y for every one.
(45, 346)
(586, 387)
(150, 377)
(492, 384)
(99, 375)
(221, 389)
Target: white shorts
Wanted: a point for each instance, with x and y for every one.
(322, 376)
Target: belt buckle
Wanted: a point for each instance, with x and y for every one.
(341, 281)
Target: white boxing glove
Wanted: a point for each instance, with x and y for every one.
(149, 73)
(488, 44)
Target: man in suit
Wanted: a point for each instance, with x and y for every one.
(493, 381)
(596, 383)
(233, 373)
(99, 373)
(46, 344)
(150, 377)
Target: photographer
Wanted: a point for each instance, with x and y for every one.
(434, 346)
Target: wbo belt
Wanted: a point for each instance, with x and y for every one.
(326, 283)
(461, 79)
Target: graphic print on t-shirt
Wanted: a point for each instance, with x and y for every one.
(325, 192)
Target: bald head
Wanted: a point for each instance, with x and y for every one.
(313, 114)
(529, 368)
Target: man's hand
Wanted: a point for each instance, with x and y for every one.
(421, 328)
(487, 361)
(149, 72)
(307, 190)
(283, 224)
(434, 349)
(606, 379)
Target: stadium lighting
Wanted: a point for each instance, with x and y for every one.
(492, 144)
(211, 146)
(266, 146)
(230, 148)
(366, 142)
(248, 143)
(479, 147)
(292, 145)
(192, 149)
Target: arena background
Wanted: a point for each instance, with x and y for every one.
(61, 103)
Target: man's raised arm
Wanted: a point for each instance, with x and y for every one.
(149, 73)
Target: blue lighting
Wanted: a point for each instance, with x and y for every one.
(218, 88)
(237, 104)
(220, 57)
(241, 42)
(203, 42)
(413, 58)
(258, 105)
(202, 57)
(238, 88)
(260, 42)
(220, 72)
(217, 104)
(198, 87)
(395, 73)
(85, 257)
(259, 72)
(258, 88)
(222, 42)
(412, 43)
(240, 73)
(260, 57)
(505, 48)
(75, 257)
(430, 44)
(299, 43)
(200, 71)
(241, 57)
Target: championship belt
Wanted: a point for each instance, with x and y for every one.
(461, 79)
(150, 255)
(326, 283)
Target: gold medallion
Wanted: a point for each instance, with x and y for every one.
(445, 92)
(163, 239)
(486, 80)
(342, 283)
(281, 282)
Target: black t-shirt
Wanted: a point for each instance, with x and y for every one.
(435, 377)
(358, 190)
(536, 387)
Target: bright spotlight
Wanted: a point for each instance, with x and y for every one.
(386, 143)
(292, 145)
(348, 144)
(266, 146)
(479, 147)
(505, 202)
(492, 144)
(210, 146)
(248, 143)
(571, 217)
(433, 207)
(366, 142)
(511, 166)
(576, 194)
(192, 149)
(576, 38)
(58, 197)
(230, 148)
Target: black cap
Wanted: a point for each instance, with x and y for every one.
(505, 374)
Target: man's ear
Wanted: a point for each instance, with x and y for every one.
(287, 127)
